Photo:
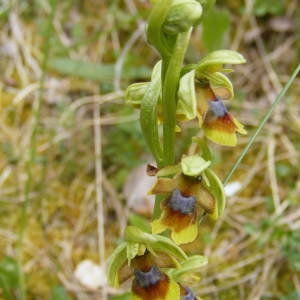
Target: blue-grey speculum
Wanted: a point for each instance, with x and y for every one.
(178, 202)
(146, 279)
(217, 107)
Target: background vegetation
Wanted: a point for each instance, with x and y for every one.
(64, 66)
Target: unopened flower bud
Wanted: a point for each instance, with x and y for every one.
(135, 93)
(183, 15)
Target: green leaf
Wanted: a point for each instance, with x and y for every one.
(215, 25)
(116, 261)
(155, 242)
(148, 116)
(217, 189)
(193, 165)
(8, 277)
(215, 60)
(264, 7)
(93, 71)
(187, 101)
(59, 293)
(291, 296)
(191, 264)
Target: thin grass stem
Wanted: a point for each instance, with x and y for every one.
(261, 124)
(99, 192)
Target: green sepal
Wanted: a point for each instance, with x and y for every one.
(214, 61)
(132, 251)
(187, 101)
(218, 80)
(217, 189)
(135, 92)
(155, 242)
(148, 116)
(191, 264)
(182, 15)
(116, 261)
(193, 165)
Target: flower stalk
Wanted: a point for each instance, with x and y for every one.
(169, 96)
(186, 187)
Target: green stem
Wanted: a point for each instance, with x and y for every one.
(155, 25)
(261, 124)
(171, 68)
(169, 95)
(32, 158)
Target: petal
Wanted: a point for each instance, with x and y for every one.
(239, 126)
(222, 130)
(205, 199)
(158, 226)
(202, 103)
(162, 186)
(221, 86)
(187, 101)
(186, 235)
(173, 291)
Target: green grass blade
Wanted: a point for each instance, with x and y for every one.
(261, 124)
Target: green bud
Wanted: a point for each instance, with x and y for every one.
(135, 93)
(183, 15)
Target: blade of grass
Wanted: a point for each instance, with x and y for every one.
(23, 223)
(99, 192)
(261, 124)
